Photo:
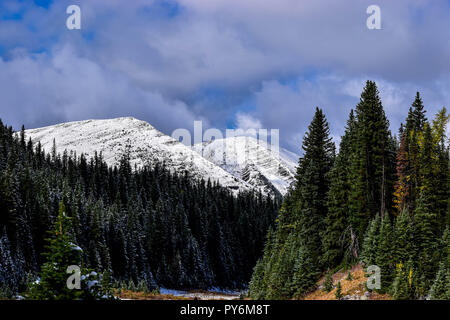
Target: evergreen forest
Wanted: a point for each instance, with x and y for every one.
(382, 200)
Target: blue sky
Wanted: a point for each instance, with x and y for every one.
(229, 63)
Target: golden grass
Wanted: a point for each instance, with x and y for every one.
(356, 286)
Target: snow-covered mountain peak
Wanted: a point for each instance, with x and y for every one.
(145, 144)
(253, 160)
(239, 163)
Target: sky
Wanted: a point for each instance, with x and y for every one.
(229, 63)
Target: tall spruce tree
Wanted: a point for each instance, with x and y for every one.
(418, 113)
(292, 261)
(312, 184)
(372, 166)
(336, 238)
(441, 182)
(415, 123)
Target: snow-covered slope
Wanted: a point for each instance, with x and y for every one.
(146, 145)
(253, 161)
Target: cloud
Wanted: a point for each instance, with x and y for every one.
(290, 106)
(63, 86)
(245, 121)
(170, 62)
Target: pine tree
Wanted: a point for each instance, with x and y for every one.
(401, 186)
(305, 273)
(338, 293)
(402, 288)
(383, 257)
(52, 283)
(427, 168)
(440, 288)
(418, 113)
(62, 253)
(349, 276)
(334, 238)
(292, 265)
(260, 278)
(415, 123)
(257, 286)
(371, 242)
(282, 268)
(312, 184)
(444, 247)
(371, 168)
(106, 288)
(403, 241)
(7, 266)
(425, 246)
(441, 173)
(328, 284)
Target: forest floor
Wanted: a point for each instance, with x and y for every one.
(354, 289)
(179, 295)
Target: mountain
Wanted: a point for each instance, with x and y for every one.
(253, 161)
(261, 167)
(145, 144)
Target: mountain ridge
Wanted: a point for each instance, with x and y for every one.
(253, 161)
(146, 145)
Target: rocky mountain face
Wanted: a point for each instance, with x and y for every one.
(238, 163)
(253, 161)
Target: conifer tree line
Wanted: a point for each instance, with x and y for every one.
(144, 225)
(381, 200)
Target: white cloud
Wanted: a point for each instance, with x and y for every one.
(136, 57)
(63, 86)
(245, 121)
(290, 107)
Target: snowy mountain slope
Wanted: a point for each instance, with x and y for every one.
(146, 145)
(253, 161)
